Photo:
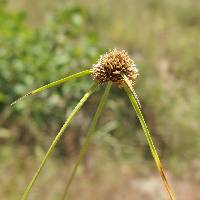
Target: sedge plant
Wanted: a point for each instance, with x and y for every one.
(115, 67)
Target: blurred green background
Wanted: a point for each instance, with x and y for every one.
(42, 41)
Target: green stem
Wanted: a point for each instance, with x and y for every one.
(148, 138)
(57, 138)
(87, 139)
(52, 84)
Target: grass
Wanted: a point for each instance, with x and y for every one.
(149, 140)
(88, 138)
(57, 138)
(115, 66)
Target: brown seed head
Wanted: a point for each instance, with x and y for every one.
(111, 65)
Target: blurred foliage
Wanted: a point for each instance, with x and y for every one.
(163, 38)
(42, 41)
(30, 58)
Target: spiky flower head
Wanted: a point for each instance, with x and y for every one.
(112, 65)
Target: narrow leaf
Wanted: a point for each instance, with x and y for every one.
(88, 138)
(148, 138)
(52, 84)
(57, 138)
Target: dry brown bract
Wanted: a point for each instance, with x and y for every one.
(111, 65)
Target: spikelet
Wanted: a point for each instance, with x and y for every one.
(112, 65)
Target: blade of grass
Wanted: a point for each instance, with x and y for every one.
(87, 139)
(57, 138)
(128, 88)
(52, 84)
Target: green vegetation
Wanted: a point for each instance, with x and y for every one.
(163, 39)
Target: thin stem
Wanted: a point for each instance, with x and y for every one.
(148, 138)
(87, 139)
(52, 84)
(57, 138)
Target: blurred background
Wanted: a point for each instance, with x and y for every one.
(42, 41)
